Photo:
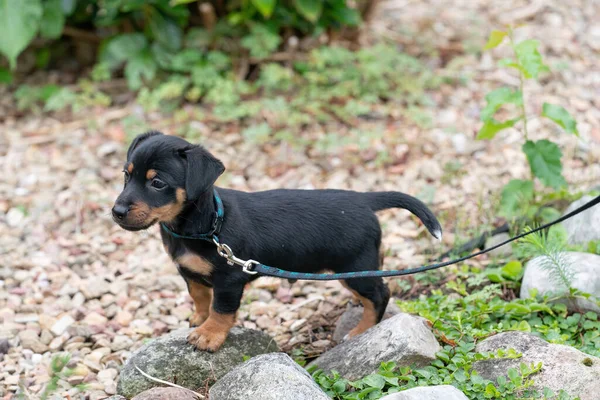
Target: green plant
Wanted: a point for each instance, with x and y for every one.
(58, 371)
(543, 155)
(147, 35)
(551, 245)
(474, 312)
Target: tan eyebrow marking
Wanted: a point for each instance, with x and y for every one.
(130, 168)
(150, 174)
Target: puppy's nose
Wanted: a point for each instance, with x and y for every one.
(119, 211)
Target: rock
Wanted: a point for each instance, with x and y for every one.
(171, 357)
(116, 397)
(443, 392)
(267, 377)
(583, 227)
(94, 318)
(504, 251)
(108, 374)
(586, 277)
(403, 338)
(62, 324)
(4, 346)
(14, 217)
(564, 367)
(30, 340)
(352, 316)
(93, 289)
(166, 393)
(124, 318)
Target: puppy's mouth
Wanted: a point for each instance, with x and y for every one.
(136, 227)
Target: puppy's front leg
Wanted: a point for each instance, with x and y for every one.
(222, 316)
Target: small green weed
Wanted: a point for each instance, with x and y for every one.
(544, 156)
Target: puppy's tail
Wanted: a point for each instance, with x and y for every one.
(383, 200)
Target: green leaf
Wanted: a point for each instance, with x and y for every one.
(5, 76)
(165, 31)
(497, 98)
(309, 9)
(530, 58)
(512, 270)
(496, 37)
(514, 376)
(516, 194)
(561, 116)
(374, 381)
(492, 127)
(53, 19)
(265, 7)
(142, 66)
(122, 48)
(59, 100)
(339, 386)
(460, 375)
(524, 326)
(544, 161)
(19, 23)
(518, 308)
(424, 373)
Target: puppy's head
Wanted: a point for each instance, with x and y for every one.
(162, 174)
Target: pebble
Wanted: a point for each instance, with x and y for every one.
(62, 324)
(297, 324)
(94, 318)
(182, 312)
(107, 374)
(123, 318)
(14, 217)
(30, 340)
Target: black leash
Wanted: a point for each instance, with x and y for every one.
(253, 267)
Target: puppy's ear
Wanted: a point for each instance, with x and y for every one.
(202, 170)
(139, 139)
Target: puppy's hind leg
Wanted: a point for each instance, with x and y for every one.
(374, 296)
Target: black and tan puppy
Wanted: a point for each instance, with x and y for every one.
(170, 180)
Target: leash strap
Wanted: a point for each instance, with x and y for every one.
(253, 267)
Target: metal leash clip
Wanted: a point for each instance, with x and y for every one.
(225, 251)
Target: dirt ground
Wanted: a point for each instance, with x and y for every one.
(62, 257)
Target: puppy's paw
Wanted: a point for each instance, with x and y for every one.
(197, 319)
(204, 339)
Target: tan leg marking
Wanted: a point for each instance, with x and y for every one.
(369, 317)
(211, 335)
(202, 296)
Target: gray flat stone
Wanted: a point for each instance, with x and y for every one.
(585, 268)
(272, 376)
(403, 338)
(564, 367)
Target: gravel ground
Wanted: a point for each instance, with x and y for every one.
(70, 280)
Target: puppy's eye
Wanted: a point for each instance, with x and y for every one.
(158, 184)
(126, 176)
